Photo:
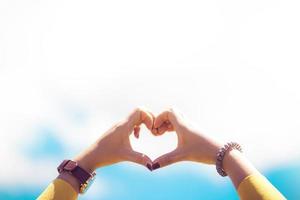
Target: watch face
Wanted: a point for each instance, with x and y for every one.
(70, 165)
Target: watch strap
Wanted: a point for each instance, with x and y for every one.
(79, 173)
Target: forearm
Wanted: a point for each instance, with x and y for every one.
(237, 166)
(250, 184)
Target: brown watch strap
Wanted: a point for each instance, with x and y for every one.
(72, 167)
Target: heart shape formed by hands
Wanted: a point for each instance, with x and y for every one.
(160, 148)
(153, 146)
(190, 146)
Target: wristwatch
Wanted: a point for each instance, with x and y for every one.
(84, 178)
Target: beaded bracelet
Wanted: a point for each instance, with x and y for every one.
(221, 153)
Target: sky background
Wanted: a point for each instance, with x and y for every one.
(69, 70)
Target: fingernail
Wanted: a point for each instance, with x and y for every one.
(149, 166)
(155, 166)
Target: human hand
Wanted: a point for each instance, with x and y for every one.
(195, 146)
(114, 146)
(192, 145)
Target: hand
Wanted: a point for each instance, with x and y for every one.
(195, 146)
(114, 146)
(192, 145)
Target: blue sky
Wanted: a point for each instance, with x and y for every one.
(129, 181)
(180, 183)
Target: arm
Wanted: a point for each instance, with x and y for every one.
(113, 147)
(249, 183)
(197, 147)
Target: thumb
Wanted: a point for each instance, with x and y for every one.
(167, 159)
(139, 158)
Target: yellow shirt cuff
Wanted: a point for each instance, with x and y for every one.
(58, 190)
(257, 187)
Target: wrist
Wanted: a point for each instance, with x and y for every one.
(212, 150)
(86, 161)
(230, 158)
(237, 166)
(72, 172)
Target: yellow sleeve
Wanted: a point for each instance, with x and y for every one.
(58, 190)
(257, 187)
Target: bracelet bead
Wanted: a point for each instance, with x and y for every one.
(221, 154)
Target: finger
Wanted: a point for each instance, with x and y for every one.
(139, 158)
(167, 159)
(161, 118)
(139, 116)
(165, 127)
(136, 131)
(170, 127)
(153, 119)
(172, 116)
(154, 131)
(162, 129)
(147, 119)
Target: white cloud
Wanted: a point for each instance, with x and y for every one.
(233, 68)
